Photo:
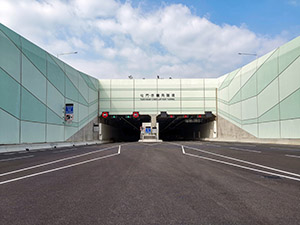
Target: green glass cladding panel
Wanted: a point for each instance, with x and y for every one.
(56, 75)
(54, 118)
(14, 37)
(290, 107)
(249, 89)
(9, 94)
(33, 80)
(32, 108)
(288, 53)
(35, 54)
(9, 128)
(88, 81)
(267, 72)
(9, 57)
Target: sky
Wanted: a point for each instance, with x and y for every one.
(146, 38)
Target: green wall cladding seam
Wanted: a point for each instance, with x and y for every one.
(34, 87)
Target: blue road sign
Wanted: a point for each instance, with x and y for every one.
(69, 108)
(148, 130)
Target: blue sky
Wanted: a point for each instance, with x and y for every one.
(268, 17)
(117, 38)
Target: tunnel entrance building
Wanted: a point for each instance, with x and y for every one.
(174, 108)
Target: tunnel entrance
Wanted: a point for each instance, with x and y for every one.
(187, 127)
(126, 128)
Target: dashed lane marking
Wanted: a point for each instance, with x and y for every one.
(293, 156)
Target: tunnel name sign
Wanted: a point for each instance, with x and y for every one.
(157, 97)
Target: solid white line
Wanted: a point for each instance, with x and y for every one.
(243, 161)
(246, 150)
(119, 150)
(293, 156)
(59, 168)
(17, 158)
(182, 149)
(244, 167)
(56, 161)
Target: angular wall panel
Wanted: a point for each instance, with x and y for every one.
(9, 57)
(9, 94)
(32, 132)
(9, 132)
(33, 80)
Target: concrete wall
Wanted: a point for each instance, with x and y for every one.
(108, 133)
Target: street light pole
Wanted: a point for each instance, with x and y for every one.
(253, 54)
(66, 53)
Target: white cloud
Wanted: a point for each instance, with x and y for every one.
(115, 39)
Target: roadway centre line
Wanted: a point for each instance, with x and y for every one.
(17, 158)
(246, 150)
(239, 160)
(239, 166)
(61, 168)
(293, 156)
(55, 161)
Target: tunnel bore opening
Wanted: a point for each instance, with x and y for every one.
(187, 127)
(125, 128)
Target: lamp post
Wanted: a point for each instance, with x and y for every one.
(66, 53)
(252, 54)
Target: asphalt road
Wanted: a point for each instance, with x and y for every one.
(166, 183)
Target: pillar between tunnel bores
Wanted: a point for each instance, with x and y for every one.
(150, 130)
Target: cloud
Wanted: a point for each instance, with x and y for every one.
(115, 39)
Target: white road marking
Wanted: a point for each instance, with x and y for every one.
(243, 167)
(293, 156)
(239, 160)
(119, 150)
(56, 161)
(246, 150)
(285, 149)
(17, 158)
(59, 168)
(182, 149)
(12, 153)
